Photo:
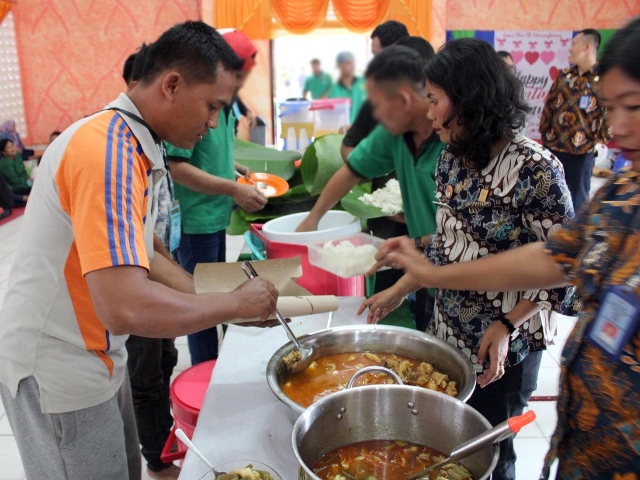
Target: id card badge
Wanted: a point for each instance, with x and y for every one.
(616, 320)
(175, 226)
(585, 100)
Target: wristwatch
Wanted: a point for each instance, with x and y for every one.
(508, 324)
(418, 243)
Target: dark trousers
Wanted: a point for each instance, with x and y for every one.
(194, 249)
(425, 305)
(150, 364)
(503, 399)
(577, 171)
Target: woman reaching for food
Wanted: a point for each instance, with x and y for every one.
(598, 431)
(497, 190)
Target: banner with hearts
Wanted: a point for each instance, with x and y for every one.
(539, 57)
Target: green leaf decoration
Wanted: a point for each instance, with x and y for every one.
(320, 161)
(265, 160)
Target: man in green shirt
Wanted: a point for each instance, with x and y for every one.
(318, 84)
(348, 85)
(206, 188)
(403, 142)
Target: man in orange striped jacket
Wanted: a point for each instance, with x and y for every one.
(85, 275)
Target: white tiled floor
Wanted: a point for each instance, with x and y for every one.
(531, 444)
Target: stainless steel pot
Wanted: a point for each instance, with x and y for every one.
(376, 338)
(390, 412)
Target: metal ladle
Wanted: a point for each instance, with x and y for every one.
(307, 354)
(490, 437)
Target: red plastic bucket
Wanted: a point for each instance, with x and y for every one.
(186, 394)
(314, 279)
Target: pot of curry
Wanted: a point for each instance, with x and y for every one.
(419, 359)
(388, 432)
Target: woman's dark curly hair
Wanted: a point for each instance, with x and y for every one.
(487, 99)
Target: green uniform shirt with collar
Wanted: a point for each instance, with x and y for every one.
(13, 171)
(202, 213)
(357, 93)
(381, 153)
(318, 85)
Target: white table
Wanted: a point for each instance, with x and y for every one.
(240, 418)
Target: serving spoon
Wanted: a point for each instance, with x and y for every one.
(495, 435)
(307, 354)
(189, 444)
(261, 185)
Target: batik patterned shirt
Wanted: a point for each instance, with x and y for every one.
(519, 198)
(566, 125)
(598, 432)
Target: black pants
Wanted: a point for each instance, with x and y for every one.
(150, 365)
(577, 171)
(503, 399)
(425, 305)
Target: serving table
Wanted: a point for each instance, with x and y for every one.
(240, 418)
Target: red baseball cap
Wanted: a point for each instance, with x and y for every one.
(244, 48)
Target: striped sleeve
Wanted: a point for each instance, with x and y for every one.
(103, 186)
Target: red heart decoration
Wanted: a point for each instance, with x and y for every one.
(532, 57)
(554, 72)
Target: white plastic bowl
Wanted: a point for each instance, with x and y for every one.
(334, 224)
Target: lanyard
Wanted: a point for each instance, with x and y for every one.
(154, 136)
(140, 120)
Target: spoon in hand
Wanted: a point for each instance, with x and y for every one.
(307, 354)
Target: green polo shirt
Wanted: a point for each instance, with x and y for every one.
(381, 153)
(201, 213)
(357, 93)
(318, 85)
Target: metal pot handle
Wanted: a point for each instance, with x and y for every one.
(373, 368)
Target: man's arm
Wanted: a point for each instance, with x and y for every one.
(128, 301)
(165, 270)
(345, 151)
(339, 185)
(187, 175)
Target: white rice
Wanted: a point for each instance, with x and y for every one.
(388, 199)
(347, 260)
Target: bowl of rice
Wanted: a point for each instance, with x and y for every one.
(346, 257)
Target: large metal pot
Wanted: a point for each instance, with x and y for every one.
(376, 338)
(390, 412)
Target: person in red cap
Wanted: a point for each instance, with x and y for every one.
(246, 51)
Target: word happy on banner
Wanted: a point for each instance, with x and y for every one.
(539, 57)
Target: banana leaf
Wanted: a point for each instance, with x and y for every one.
(355, 207)
(265, 160)
(320, 161)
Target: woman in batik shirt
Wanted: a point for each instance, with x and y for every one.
(598, 432)
(497, 190)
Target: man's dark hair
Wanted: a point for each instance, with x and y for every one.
(592, 36)
(140, 62)
(486, 98)
(420, 45)
(3, 143)
(127, 68)
(194, 49)
(504, 54)
(315, 60)
(390, 32)
(622, 51)
(397, 64)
